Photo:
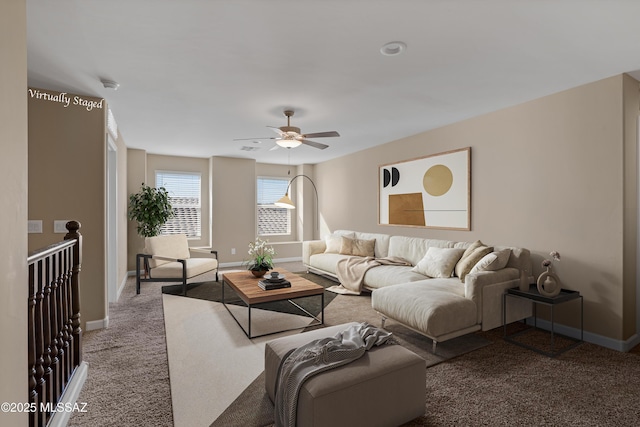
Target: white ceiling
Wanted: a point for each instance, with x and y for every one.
(195, 74)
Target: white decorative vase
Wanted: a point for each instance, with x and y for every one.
(524, 281)
(549, 284)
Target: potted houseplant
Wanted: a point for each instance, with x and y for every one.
(261, 257)
(151, 209)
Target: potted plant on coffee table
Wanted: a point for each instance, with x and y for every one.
(261, 257)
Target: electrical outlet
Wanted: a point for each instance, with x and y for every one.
(34, 226)
(233, 251)
(59, 225)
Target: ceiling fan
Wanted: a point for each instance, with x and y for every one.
(290, 136)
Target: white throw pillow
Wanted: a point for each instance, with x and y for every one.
(493, 261)
(334, 242)
(438, 262)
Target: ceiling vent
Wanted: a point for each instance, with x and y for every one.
(246, 148)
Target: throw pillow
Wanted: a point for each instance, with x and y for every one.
(493, 261)
(357, 247)
(438, 262)
(475, 245)
(465, 265)
(361, 247)
(334, 242)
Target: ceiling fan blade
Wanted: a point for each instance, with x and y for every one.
(276, 130)
(275, 147)
(321, 134)
(251, 139)
(314, 144)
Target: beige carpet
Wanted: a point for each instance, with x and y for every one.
(211, 361)
(499, 384)
(128, 379)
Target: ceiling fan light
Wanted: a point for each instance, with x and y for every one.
(288, 143)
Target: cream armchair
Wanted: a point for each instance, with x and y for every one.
(168, 258)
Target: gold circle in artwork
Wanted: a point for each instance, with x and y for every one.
(437, 180)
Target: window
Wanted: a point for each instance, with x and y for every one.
(272, 220)
(184, 195)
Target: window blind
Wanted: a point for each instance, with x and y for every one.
(272, 220)
(184, 190)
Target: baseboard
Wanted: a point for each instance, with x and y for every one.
(633, 341)
(597, 339)
(70, 397)
(121, 287)
(97, 324)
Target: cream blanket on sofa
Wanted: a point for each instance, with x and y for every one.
(351, 271)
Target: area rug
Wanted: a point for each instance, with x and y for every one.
(210, 359)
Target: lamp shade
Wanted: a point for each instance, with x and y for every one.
(285, 202)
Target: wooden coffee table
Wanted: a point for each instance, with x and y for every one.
(246, 287)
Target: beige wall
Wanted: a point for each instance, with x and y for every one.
(67, 180)
(234, 208)
(630, 164)
(13, 219)
(136, 176)
(230, 212)
(547, 175)
(233, 186)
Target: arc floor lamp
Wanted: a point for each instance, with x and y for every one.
(286, 202)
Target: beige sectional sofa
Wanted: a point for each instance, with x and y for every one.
(439, 307)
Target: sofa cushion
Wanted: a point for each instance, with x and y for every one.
(381, 249)
(435, 311)
(326, 262)
(414, 248)
(438, 262)
(470, 257)
(496, 260)
(195, 267)
(357, 247)
(390, 275)
(169, 245)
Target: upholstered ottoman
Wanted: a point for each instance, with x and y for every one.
(385, 387)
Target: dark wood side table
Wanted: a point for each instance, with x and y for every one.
(536, 298)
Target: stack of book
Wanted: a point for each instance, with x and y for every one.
(274, 281)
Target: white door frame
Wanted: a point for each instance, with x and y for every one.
(637, 334)
(112, 220)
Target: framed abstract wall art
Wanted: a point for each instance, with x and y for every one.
(432, 191)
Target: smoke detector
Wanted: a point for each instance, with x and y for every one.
(110, 84)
